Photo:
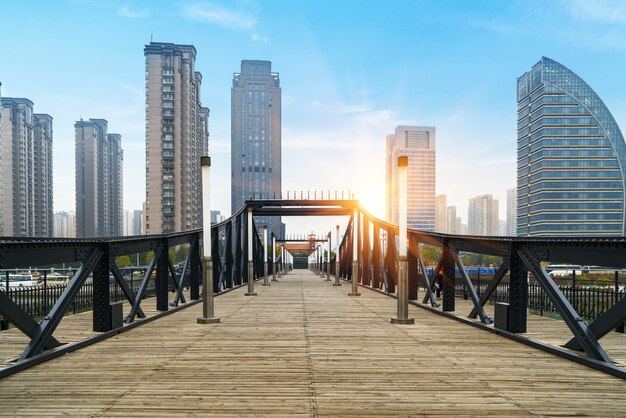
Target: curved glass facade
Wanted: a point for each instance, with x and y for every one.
(571, 157)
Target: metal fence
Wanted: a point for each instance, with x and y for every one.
(37, 300)
(590, 298)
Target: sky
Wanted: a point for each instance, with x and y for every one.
(350, 71)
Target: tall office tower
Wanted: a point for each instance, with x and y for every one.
(65, 224)
(502, 227)
(115, 185)
(43, 216)
(128, 223)
(571, 157)
(99, 158)
(256, 137)
(418, 143)
(27, 170)
(137, 230)
(511, 212)
(176, 138)
(482, 216)
(453, 223)
(441, 213)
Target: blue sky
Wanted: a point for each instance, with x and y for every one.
(351, 71)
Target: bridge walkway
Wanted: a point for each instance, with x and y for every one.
(304, 348)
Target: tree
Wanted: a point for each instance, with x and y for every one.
(181, 253)
(146, 258)
(123, 261)
(431, 255)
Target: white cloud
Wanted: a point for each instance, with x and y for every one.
(126, 11)
(213, 13)
(257, 38)
(608, 11)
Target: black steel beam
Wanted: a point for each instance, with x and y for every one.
(22, 321)
(472, 291)
(183, 274)
(302, 212)
(144, 285)
(177, 286)
(493, 284)
(603, 324)
(128, 293)
(576, 324)
(48, 325)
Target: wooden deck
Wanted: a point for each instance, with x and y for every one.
(303, 347)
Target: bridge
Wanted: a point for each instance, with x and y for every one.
(306, 345)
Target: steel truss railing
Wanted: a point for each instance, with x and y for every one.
(97, 258)
(378, 269)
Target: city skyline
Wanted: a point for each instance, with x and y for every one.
(359, 94)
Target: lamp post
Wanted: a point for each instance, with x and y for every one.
(274, 258)
(208, 316)
(251, 291)
(337, 263)
(355, 255)
(403, 275)
(328, 258)
(265, 278)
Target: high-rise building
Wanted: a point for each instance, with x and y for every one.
(453, 222)
(571, 157)
(482, 216)
(65, 224)
(417, 143)
(441, 213)
(99, 165)
(26, 170)
(502, 227)
(511, 212)
(128, 223)
(137, 230)
(176, 138)
(256, 137)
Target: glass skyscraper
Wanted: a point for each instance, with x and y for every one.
(256, 138)
(570, 157)
(419, 144)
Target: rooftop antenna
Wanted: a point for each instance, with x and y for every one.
(150, 37)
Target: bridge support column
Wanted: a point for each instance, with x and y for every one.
(251, 291)
(162, 274)
(518, 293)
(101, 292)
(449, 279)
(355, 255)
(403, 273)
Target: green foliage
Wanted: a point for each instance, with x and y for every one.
(181, 253)
(431, 255)
(146, 258)
(473, 259)
(123, 261)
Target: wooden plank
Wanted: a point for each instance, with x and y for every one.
(303, 347)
